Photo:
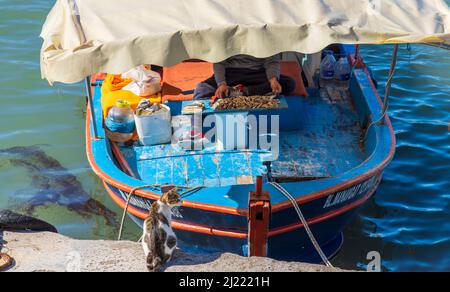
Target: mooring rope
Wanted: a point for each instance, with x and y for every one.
(308, 230)
(387, 92)
(274, 184)
(125, 210)
(153, 186)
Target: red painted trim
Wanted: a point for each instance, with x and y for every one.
(324, 217)
(177, 225)
(235, 234)
(121, 159)
(259, 209)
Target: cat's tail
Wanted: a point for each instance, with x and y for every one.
(154, 264)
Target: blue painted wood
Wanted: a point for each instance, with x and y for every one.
(179, 171)
(98, 113)
(326, 144)
(380, 144)
(196, 174)
(227, 172)
(211, 170)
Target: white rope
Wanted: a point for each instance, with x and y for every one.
(132, 193)
(125, 210)
(276, 185)
(304, 222)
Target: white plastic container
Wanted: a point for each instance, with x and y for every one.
(154, 129)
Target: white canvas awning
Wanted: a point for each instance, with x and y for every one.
(82, 37)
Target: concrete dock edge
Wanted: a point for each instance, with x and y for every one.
(50, 252)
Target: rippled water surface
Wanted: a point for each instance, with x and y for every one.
(408, 221)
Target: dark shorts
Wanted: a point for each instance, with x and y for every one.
(255, 81)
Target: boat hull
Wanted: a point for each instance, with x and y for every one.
(327, 217)
(215, 219)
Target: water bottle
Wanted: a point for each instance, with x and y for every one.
(327, 69)
(120, 123)
(343, 72)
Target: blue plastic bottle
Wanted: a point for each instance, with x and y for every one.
(120, 123)
(327, 66)
(343, 71)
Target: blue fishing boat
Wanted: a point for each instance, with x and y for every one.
(333, 146)
(324, 162)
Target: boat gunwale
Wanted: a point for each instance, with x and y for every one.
(241, 234)
(276, 207)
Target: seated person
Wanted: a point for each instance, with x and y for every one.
(245, 75)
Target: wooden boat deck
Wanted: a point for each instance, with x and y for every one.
(324, 144)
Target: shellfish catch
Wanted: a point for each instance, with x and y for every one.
(247, 102)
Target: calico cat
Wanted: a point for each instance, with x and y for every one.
(159, 241)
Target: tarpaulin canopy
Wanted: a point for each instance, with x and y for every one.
(82, 37)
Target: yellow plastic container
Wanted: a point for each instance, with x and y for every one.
(111, 93)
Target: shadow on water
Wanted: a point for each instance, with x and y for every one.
(52, 184)
(361, 239)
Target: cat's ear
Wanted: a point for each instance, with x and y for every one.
(172, 190)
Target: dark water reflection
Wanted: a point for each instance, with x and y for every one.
(408, 220)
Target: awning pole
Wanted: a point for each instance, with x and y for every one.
(443, 46)
(356, 60)
(357, 54)
(91, 106)
(387, 93)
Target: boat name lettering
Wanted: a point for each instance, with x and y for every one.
(351, 193)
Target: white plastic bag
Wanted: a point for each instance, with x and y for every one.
(145, 81)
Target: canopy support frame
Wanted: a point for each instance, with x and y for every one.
(90, 100)
(387, 92)
(388, 88)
